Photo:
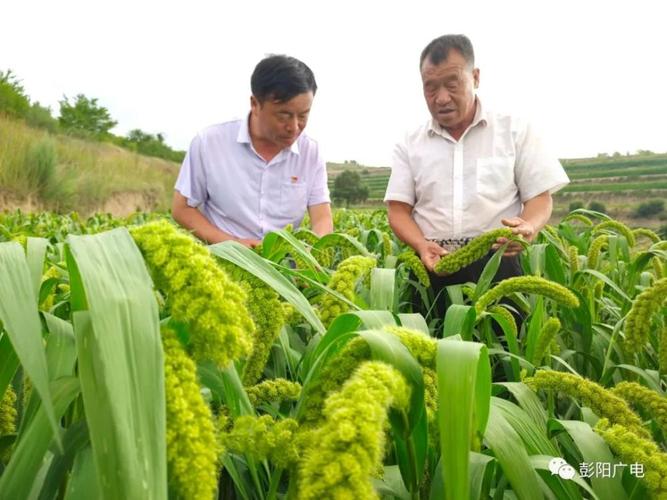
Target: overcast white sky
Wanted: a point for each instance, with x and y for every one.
(592, 75)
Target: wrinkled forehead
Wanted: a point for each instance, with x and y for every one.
(444, 71)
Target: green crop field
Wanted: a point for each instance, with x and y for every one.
(136, 363)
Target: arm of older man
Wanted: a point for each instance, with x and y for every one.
(405, 227)
(535, 214)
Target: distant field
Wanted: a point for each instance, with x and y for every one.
(610, 174)
(621, 182)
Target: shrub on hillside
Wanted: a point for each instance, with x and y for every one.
(150, 145)
(650, 208)
(575, 205)
(597, 206)
(39, 166)
(40, 117)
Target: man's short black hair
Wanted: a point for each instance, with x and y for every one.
(438, 50)
(280, 78)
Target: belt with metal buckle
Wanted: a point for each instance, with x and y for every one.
(452, 244)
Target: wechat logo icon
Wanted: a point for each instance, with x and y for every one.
(558, 466)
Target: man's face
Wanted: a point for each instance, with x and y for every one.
(449, 89)
(281, 123)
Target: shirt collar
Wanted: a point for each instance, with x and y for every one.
(480, 118)
(244, 136)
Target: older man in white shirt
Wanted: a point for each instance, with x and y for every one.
(467, 170)
(244, 178)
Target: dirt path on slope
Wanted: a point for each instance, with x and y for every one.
(118, 205)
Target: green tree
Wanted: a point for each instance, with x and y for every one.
(85, 117)
(13, 100)
(348, 187)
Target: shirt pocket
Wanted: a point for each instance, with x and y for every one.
(495, 178)
(293, 199)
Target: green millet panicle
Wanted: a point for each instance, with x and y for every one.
(343, 281)
(594, 250)
(472, 252)
(422, 347)
(431, 403)
(573, 258)
(8, 412)
(192, 446)
(548, 228)
(658, 268)
(528, 284)
(349, 447)
(332, 375)
(266, 312)
(580, 218)
(598, 289)
(27, 390)
(643, 232)
(602, 401)
(662, 351)
(547, 334)
(468, 291)
(654, 404)
(290, 313)
(634, 449)
(509, 318)
(8, 416)
(638, 320)
(617, 227)
(307, 236)
(264, 438)
(353, 231)
(324, 256)
(272, 390)
(324, 253)
(198, 292)
(554, 233)
(412, 261)
(341, 365)
(338, 369)
(386, 244)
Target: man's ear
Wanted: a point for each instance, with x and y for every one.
(254, 103)
(475, 77)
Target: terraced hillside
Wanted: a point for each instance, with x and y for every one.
(620, 183)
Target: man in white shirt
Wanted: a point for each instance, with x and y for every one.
(243, 178)
(467, 170)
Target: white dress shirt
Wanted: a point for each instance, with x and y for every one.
(242, 194)
(463, 188)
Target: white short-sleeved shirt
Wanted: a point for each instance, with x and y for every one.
(242, 194)
(463, 188)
